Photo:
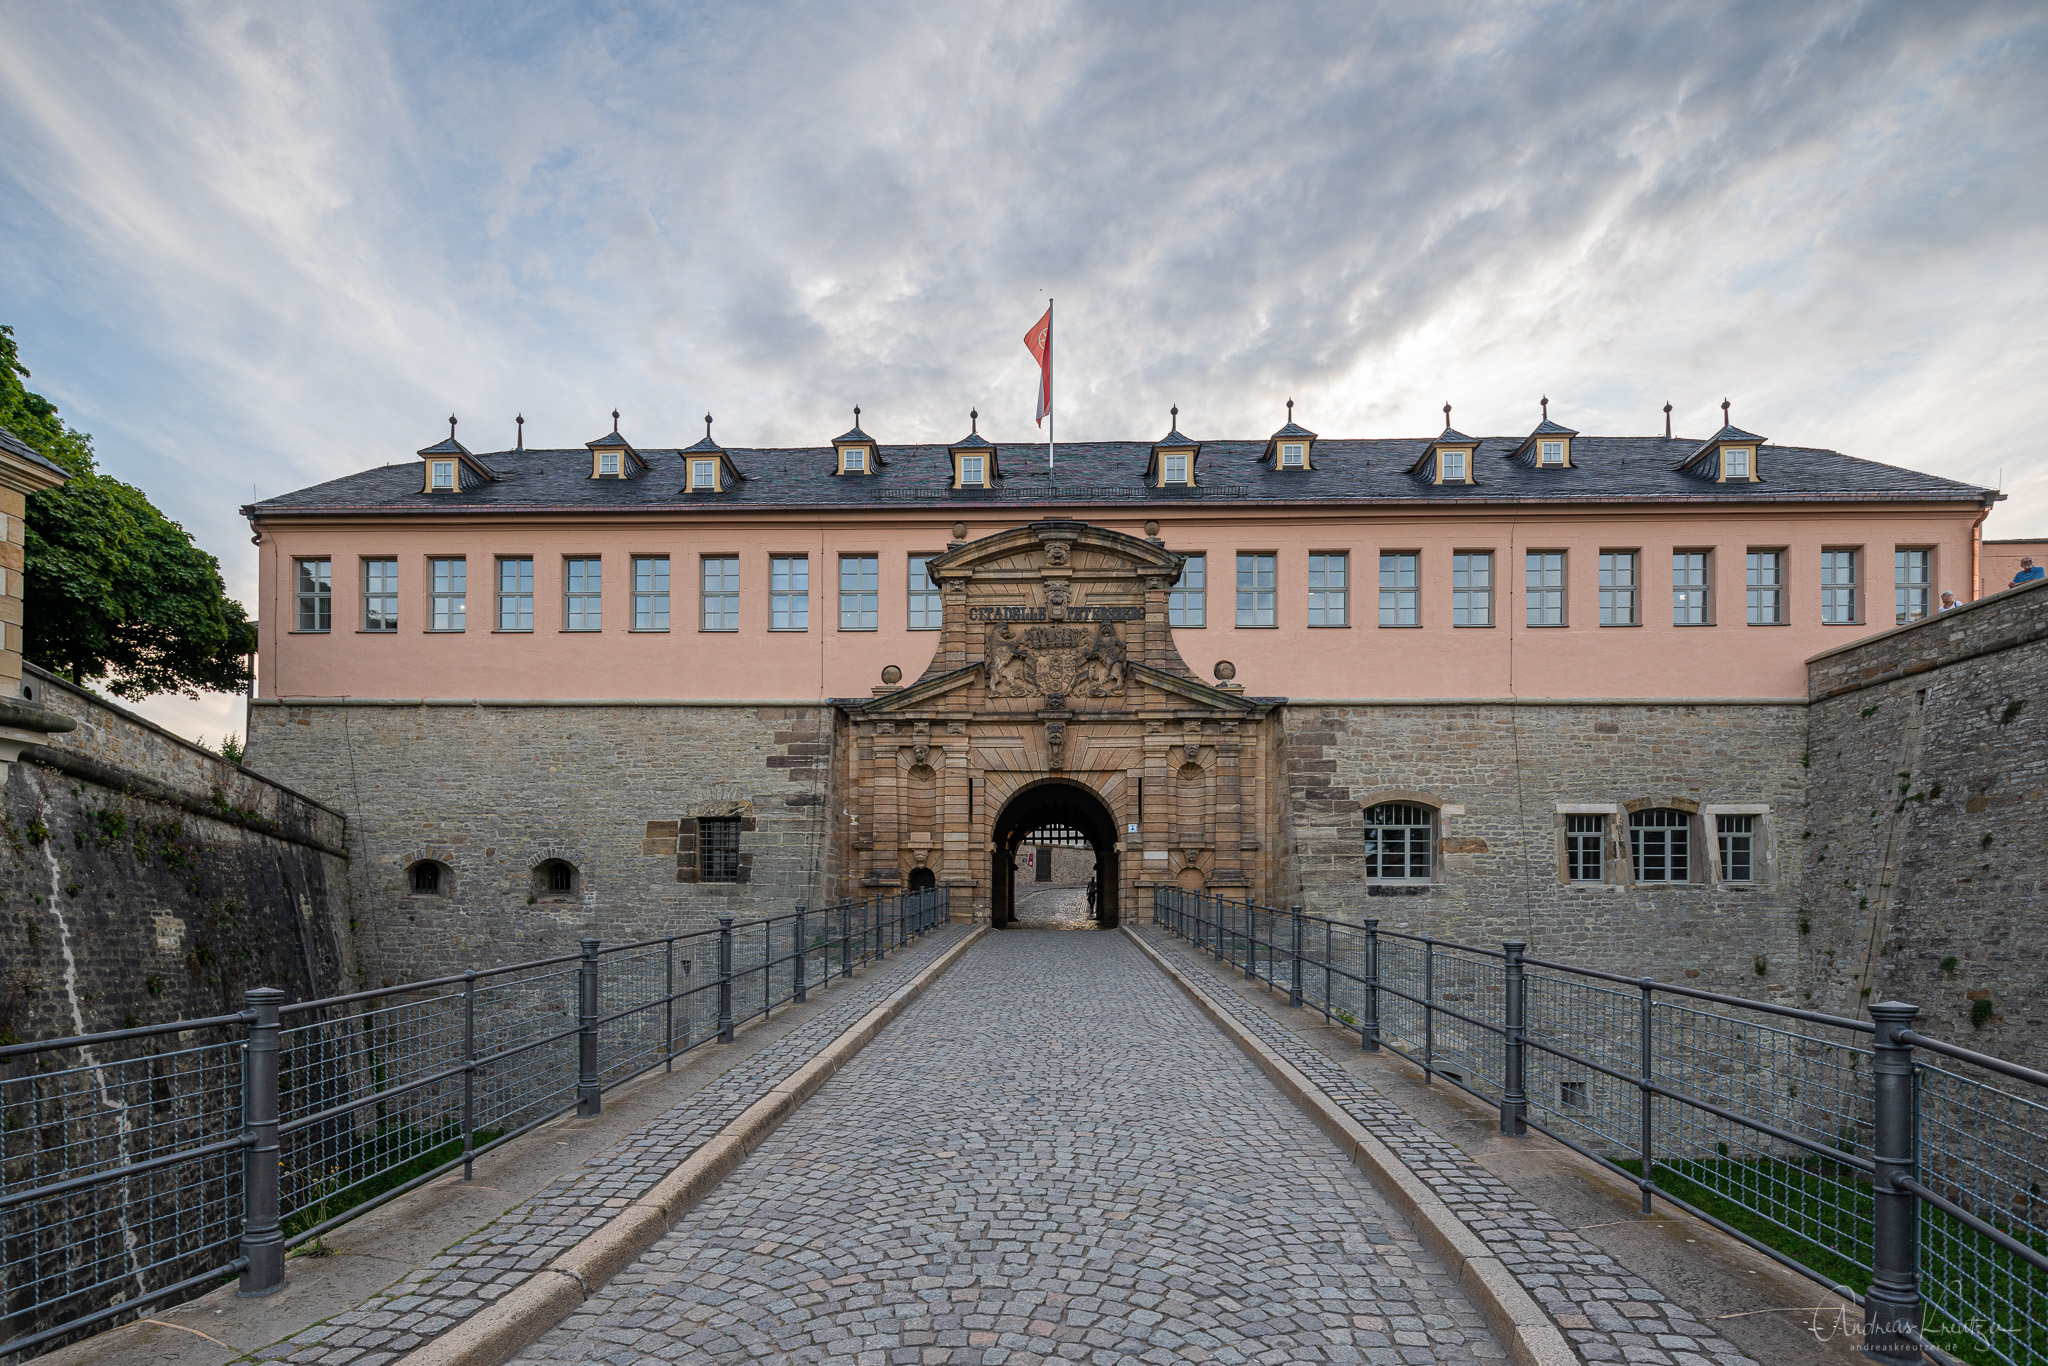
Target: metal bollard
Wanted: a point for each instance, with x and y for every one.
(846, 936)
(725, 979)
(802, 947)
(589, 1091)
(1294, 970)
(1892, 1308)
(1514, 1102)
(1369, 1014)
(262, 1239)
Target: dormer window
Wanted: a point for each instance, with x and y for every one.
(607, 464)
(1730, 455)
(1453, 467)
(704, 476)
(612, 456)
(1735, 462)
(973, 472)
(1553, 452)
(853, 460)
(444, 474)
(1176, 468)
(1290, 447)
(1293, 455)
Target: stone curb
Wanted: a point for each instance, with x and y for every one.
(492, 1334)
(1513, 1314)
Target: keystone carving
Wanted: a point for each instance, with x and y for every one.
(1056, 553)
(1055, 744)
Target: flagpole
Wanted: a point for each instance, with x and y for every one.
(1051, 440)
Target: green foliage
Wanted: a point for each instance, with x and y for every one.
(1948, 964)
(114, 589)
(1980, 1013)
(2011, 712)
(231, 748)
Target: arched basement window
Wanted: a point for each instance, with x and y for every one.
(427, 878)
(1660, 841)
(556, 877)
(1400, 842)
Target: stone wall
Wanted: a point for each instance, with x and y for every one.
(492, 792)
(144, 879)
(1498, 774)
(1927, 872)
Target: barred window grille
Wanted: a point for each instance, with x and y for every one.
(1400, 842)
(1583, 854)
(718, 849)
(425, 877)
(1065, 836)
(1660, 841)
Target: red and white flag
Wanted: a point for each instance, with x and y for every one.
(1039, 342)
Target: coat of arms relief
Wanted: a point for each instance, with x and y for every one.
(1055, 661)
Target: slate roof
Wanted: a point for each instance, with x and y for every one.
(21, 450)
(1093, 473)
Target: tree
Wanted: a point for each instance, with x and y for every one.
(114, 589)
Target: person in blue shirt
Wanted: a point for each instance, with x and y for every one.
(2029, 571)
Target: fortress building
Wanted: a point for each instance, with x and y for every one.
(1550, 686)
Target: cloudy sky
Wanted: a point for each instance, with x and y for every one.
(250, 247)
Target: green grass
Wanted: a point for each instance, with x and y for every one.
(1822, 1209)
(389, 1157)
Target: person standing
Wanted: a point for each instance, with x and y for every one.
(2029, 572)
(1091, 894)
(1948, 601)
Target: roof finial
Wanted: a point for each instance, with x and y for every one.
(615, 422)
(1447, 417)
(1545, 401)
(1290, 410)
(1724, 412)
(1667, 419)
(521, 420)
(707, 426)
(974, 421)
(451, 426)
(856, 417)
(1173, 424)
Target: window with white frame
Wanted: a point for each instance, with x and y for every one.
(1585, 852)
(650, 592)
(1293, 455)
(1617, 588)
(789, 593)
(854, 459)
(1400, 588)
(703, 476)
(1735, 463)
(972, 475)
(1452, 464)
(721, 593)
(926, 612)
(1472, 588)
(1552, 452)
(444, 474)
(1176, 468)
(1329, 589)
(448, 594)
(1689, 605)
(1400, 842)
(1545, 592)
(608, 462)
(1187, 602)
(1765, 584)
(860, 592)
(515, 593)
(380, 595)
(1256, 593)
(1838, 587)
(583, 594)
(1660, 842)
(1737, 837)
(1913, 579)
(316, 594)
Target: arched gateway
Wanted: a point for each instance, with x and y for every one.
(1056, 696)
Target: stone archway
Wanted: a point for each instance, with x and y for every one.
(1053, 801)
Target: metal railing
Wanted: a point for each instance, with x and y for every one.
(140, 1165)
(1904, 1172)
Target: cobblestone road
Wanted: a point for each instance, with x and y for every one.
(1054, 906)
(1051, 1157)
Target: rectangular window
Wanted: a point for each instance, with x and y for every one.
(1735, 463)
(1838, 587)
(1689, 588)
(316, 594)
(1584, 848)
(449, 594)
(856, 460)
(789, 593)
(925, 612)
(1293, 455)
(1472, 588)
(608, 462)
(444, 474)
(1660, 841)
(718, 849)
(380, 595)
(1764, 581)
(1546, 587)
(1553, 452)
(703, 475)
(1617, 588)
(650, 592)
(1187, 603)
(1329, 592)
(515, 594)
(583, 595)
(1453, 467)
(1256, 604)
(1913, 575)
(1177, 469)
(1400, 588)
(1737, 835)
(970, 472)
(1399, 842)
(860, 591)
(721, 593)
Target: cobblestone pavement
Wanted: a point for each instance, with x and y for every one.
(1054, 906)
(495, 1259)
(1607, 1314)
(1050, 1157)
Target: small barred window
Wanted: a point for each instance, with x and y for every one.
(718, 849)
(1660, 840)
(1400, 842)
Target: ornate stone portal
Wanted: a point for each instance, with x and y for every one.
(1056, 694)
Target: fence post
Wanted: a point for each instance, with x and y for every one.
(1294, 972)
(1891, 1310)
(468, 1074)
(1428, 1011)
(725, 979)
(1328, 960)
(589, 1093)
(1217, 945)
(846, 936)
(262, 1239)
(802, 947)
(1646, 1062)
(1369, 1015)
(1514, 1101)
(1251, 939)
(668, 1005)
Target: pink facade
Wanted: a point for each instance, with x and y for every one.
(1726, 657)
